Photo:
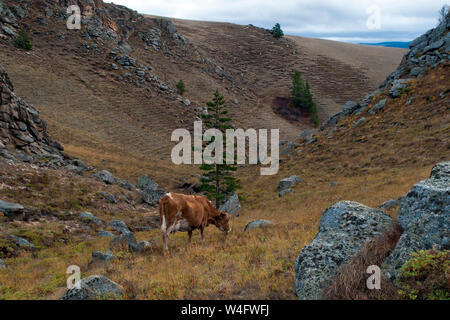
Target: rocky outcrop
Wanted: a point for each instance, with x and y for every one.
(90, 218)
(424, 215)
(285, 185)
(232, 206)
(94, 287)
(344, 228)
(426, 52)
(21, 128)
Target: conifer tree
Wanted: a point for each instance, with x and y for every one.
(217, 181)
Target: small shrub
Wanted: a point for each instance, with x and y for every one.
(23, 41)
(277, 32)
(181, 88)
(426, 276)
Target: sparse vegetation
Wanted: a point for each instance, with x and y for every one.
(181, 88)
(426, 276)
(217, 181)
(302, 97)
(23, 41)
(277, 32)
(445, 10)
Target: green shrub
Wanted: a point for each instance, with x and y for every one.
(302, 97)
(425, 276)
(181, 89)
(277, 32)
(23, 41)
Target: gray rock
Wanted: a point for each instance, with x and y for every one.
(284, 192)
(257, 224)
(108, 197)
(424, 217)
(120, 226)
(8, 31)
(349, 108)
(2, 264)
(23, 243)
(397, 87)
(289, 147)
(152, 197)
(126, 61)
(126, 185)
(417, 72)
(187, 102)
(105, 234)
(125, 241)
(379, 106)
(359, 122)
(100, 257)
(90, 218)
(434, 46)
(308, 134)
(11, 209)
(344, 228)
(94, 287)
(390, 204)
(288, 183)
(105, 176)
(146, 183)
(232, 206)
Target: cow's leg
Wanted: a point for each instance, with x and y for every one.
(202, 229)
(190, 236)
(165, 238)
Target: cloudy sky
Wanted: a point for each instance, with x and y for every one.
(344, 20)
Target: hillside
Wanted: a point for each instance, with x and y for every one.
(98, 112)
(112, 112)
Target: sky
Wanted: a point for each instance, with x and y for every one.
(356, 21)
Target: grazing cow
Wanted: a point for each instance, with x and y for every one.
(186, 213)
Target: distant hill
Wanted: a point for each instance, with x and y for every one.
(395, 44)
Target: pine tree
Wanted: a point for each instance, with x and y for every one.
(23, 41)
(217, 181)
(277, 32)
(181, 88)
(302, 97)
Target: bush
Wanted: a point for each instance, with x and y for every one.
(277, 32)
(23, 41)
(181, 89)
(426, 276)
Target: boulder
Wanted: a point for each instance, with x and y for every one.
(105, 176)
(94, 287)
(390, 204)
(257, 224)
(424, 217)
(344, 228)
(108, 197)
(120, 226)
(349, 108)
(105, 234)
(285, 192)
(288, 183)
(232, 206)
(145, 182)
(128, 241)
(100, 257)
(90, 218)
(11, 209)
(23, 243)
(152, 197)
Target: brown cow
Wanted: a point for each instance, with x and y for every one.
(186, 213)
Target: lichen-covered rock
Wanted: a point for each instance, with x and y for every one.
(288, 183)
(105, 176)
(152, 197)
(94, 287)
(232, 206)
(100, 257)
(120, 226)
(90, 218)
(146, 183)
(257, 224)
(11, 209)
(344, 228)
(424, 215)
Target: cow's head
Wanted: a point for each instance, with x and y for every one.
(222, 221)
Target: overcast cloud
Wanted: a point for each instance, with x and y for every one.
(344, 20)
